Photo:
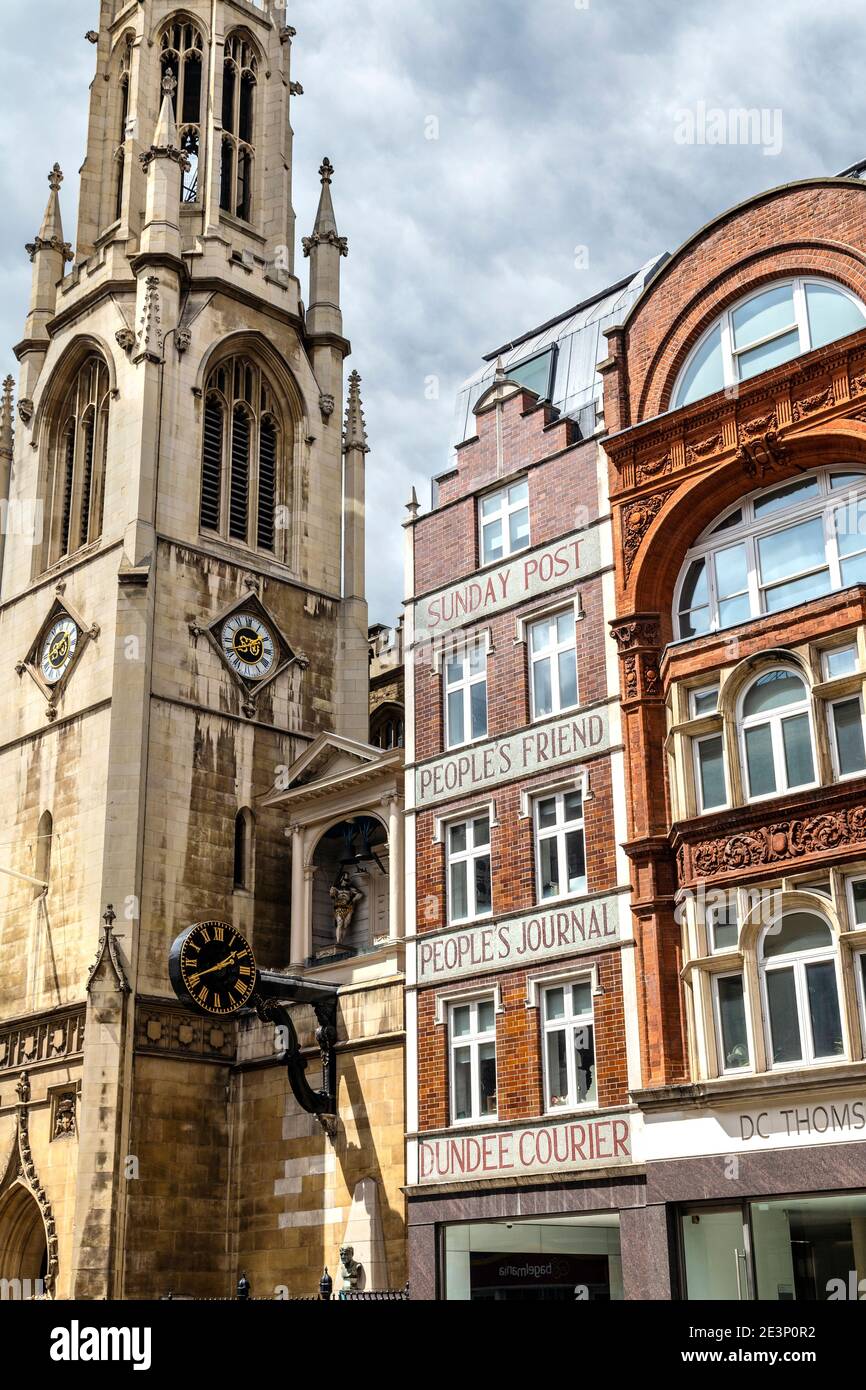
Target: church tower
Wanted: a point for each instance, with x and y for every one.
(182, 613)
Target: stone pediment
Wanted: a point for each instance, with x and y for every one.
(330, 759)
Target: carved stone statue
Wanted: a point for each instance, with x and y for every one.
(64, 1117)
(350, 1269)
(345, 897)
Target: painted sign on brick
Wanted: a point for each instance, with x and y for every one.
(470, 770)
(521, 577)
(599, 1141)
(542, 935)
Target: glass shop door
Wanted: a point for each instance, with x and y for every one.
(716, 1255)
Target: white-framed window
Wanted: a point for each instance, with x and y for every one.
(767, 328)
(559, 845)
(553, 663)
(465, 679)
(722, 923)
(472, 1049)
(568, 1029)
(703, 701)
(860, 981)
(732, 1032)
(849, 748)
(503, 519)
(857, 902)
(469, 880)
(710, 772)
(776, 733)
(779, 547)
(839, 661)
(800, 986)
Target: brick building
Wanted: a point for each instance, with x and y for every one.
(521, 991)
(675, 1109)
(734, 403)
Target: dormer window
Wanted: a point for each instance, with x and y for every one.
(762, 331)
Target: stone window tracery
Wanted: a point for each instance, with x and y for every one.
(243, 465)
(240, 77)
(182, 58)
(77, 451)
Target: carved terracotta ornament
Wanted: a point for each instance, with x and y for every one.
(637, 518)
(782, 840)
(703, 448)
(654, 468)
(809, 404)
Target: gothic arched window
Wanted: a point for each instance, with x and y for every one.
(181, 57)
(238, 122)
(242, 462)
(77, 449)
(244, 849)
(123, 117)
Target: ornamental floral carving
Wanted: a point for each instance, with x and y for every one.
(809, 404)
(704, 448)
(637, 632)
(637, 518)
(790, 839)
(653, 468)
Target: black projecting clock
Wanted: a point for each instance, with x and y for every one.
(212, 967)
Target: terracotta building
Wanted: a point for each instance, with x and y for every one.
(735, 405)
(184, 707)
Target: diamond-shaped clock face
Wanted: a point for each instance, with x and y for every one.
(57, 649)
(59, 644)
(249, 646)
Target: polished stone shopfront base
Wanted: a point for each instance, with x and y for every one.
(778, 1225)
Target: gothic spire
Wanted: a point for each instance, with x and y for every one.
(50, 235)
(325, 227)
(355, 428)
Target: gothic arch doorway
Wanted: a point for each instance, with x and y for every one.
(23, 1241)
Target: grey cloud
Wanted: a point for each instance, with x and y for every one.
(556, 129)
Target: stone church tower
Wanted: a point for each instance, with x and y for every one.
(182, 613)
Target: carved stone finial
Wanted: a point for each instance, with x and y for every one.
(355, 429)
(55, 178)
(326, 172)
(22, 1086)
(413, 506)
(109, 917)
(169, 83)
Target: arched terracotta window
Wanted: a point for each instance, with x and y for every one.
(182, 58)
(77, 450)
(779, 322)
(243, 464)
(240, 76)
(775, 549)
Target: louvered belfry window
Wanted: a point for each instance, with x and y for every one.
(241, 456)
(77, 451)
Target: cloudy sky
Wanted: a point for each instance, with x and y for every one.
(558, 124)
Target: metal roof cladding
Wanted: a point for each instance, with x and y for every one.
(577, 336)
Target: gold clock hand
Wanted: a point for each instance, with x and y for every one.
(229, 960)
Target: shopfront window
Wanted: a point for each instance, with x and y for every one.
(780, 1250)
(563, 1259)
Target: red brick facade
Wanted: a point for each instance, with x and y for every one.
(516, 438)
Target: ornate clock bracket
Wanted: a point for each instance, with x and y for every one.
(274, 993)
